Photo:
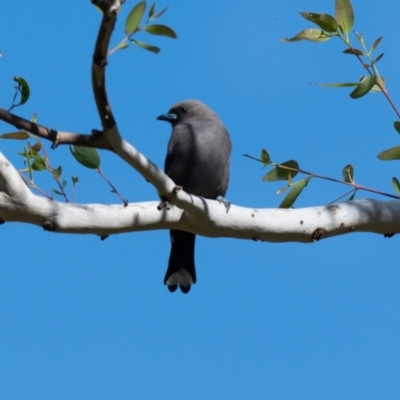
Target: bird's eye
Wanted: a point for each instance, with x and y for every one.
(183, 109)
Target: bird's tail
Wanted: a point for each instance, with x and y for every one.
(181, 270)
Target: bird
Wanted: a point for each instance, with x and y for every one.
(198, 160)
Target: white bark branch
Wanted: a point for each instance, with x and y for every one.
(190, 213)
(18, 203)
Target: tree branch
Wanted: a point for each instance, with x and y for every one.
(192, 214)
(18, 203)
(55, 136)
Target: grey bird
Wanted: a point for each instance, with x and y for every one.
(198, 160)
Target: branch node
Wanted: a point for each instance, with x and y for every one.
(100, 60)
(317, 234)
(109, 6)
(104, 237)
(388, 235)
(49, 225)
(176, 189)
(56, 141)
(96, 132)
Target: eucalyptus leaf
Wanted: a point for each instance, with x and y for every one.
(375, 45)
(38, 163)
(158, 15)
(135, 16)
(87, 156)
(348, 173)
(355, 52)
(122, 46)
(24, 88)
(360, 38)
(152, 11)
(378, 58)
(324, 21)
(396, 185)
(294, 193)
(282, 174)
(265, 158)
(363, 87)
(20, 135)
(344, 15)
(390, 154)
(161, 30)
(57, 172)
(353, 195)
(312, 34)
(36, 147)
(337, 85)
(57, 192)
(146, 46)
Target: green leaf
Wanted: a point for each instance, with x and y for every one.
(348, 173)
(324, 21)
(376, 88)
(378, 58)
(161, 30)
(135, 16)
(26, 155)
(312, 34)
(390, 154)
(353, 195)
(64, 183)
(375, 45)
(363, 87)
(396, 185)
(154, 17)
(360, 38)
(294, 193)
(356, 52)
(24, 88)
(36, 147)
(397, 126)
(38, 163)
(152, 11)
(20, 135)
(344, 15)
(75, 180)
(57, 172)
(282, 174)
(57, 192)
(122, 46)
(87, 156)
(146, 46)
(337, 85)
(265, 158)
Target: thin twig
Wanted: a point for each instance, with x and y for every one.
(327, 178)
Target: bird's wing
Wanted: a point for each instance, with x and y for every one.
(180, 152)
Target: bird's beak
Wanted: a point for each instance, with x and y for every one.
(170, 117)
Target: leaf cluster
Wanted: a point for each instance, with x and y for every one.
(133, 25)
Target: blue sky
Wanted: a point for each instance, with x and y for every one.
(82, 318)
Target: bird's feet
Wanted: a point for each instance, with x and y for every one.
(164, 205)
(225, 202)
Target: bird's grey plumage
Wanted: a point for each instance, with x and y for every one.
(198, 160)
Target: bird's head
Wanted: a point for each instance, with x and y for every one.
(187, 110)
